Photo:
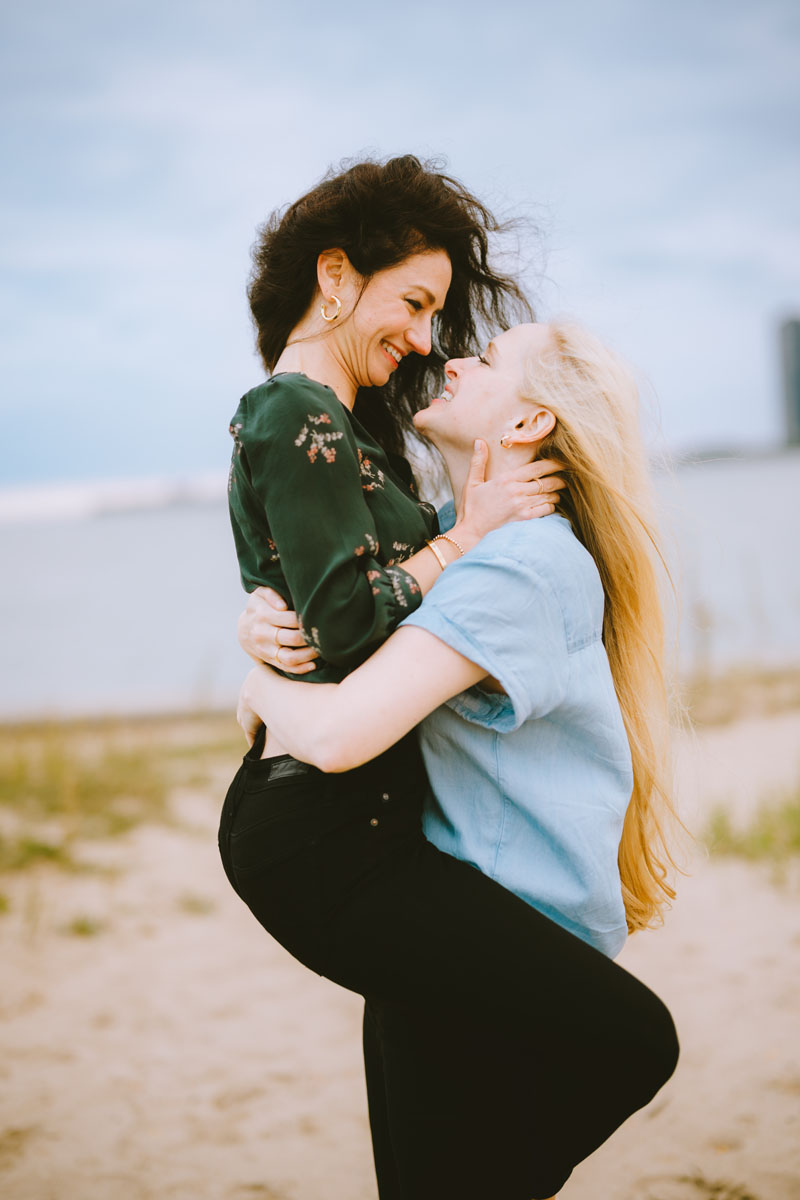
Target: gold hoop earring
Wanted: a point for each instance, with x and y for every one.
(324, 305)
(505, 442)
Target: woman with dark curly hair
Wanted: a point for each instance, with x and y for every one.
(480, 1084)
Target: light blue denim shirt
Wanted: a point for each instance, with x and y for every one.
(531, 787)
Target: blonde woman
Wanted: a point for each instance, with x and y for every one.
(534, 667)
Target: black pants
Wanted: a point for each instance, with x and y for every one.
(500, 1050)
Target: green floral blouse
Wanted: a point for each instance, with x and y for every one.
(321, 514)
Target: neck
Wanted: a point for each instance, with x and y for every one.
(456, 462)
(310, 353)
(500, 461)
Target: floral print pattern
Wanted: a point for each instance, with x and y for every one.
(234, 429)
(370, 546)
(400, 552)
(401, 583)
(320, 441)
(318, 536)
(372, 477)
(310, 636)
(373, 577)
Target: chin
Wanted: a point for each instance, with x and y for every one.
(420, 420)
(376, 380)
(427, 435)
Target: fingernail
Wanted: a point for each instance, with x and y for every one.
(476, 445)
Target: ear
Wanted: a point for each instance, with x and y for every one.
(333, 271)
(532, 427)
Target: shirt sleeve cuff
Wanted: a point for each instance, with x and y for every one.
(492, 709)
(407, 592)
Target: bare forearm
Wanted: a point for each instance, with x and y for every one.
(332, 726)
(426, 567)
(338, 726)
(294, 712)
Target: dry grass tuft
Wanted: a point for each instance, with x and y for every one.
(773, 835)
(61, 784)
(719, 700)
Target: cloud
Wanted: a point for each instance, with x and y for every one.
(148, 141)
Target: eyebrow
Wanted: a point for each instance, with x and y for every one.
(490, 349)
(428, 295)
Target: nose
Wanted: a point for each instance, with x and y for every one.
(419, 336)
(454, 366)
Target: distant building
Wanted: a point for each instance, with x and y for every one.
(790, 351)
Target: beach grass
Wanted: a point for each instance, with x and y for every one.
(21, 850)
(66, 782)
(104, 793)
(772, 835)
(63, 783)
(698, 1185)
(745, 692)
(83, 927)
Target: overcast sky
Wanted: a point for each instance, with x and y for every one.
(657, 146)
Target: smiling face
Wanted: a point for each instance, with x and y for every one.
(483, 395)
(392, 317)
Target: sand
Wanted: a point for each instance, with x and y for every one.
(177, 1051)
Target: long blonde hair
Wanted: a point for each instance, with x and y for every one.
(594, 398)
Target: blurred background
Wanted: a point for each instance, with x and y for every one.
(154, 1043)
(654, 150)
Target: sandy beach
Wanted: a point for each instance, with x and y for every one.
(156, 1043)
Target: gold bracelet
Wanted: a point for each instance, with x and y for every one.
(437, 554)
(444, 537)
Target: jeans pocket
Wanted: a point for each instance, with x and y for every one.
(277, 820)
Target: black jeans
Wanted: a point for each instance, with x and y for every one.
(500, 1050)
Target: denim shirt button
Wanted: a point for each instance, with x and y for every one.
(374, 821)
(385, 797)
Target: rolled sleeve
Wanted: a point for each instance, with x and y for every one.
(503, 615)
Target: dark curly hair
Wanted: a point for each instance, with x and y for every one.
(381, 213)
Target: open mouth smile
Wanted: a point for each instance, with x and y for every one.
(392, 352)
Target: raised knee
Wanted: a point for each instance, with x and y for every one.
(662, 1047)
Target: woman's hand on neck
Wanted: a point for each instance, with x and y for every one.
(499, 462)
